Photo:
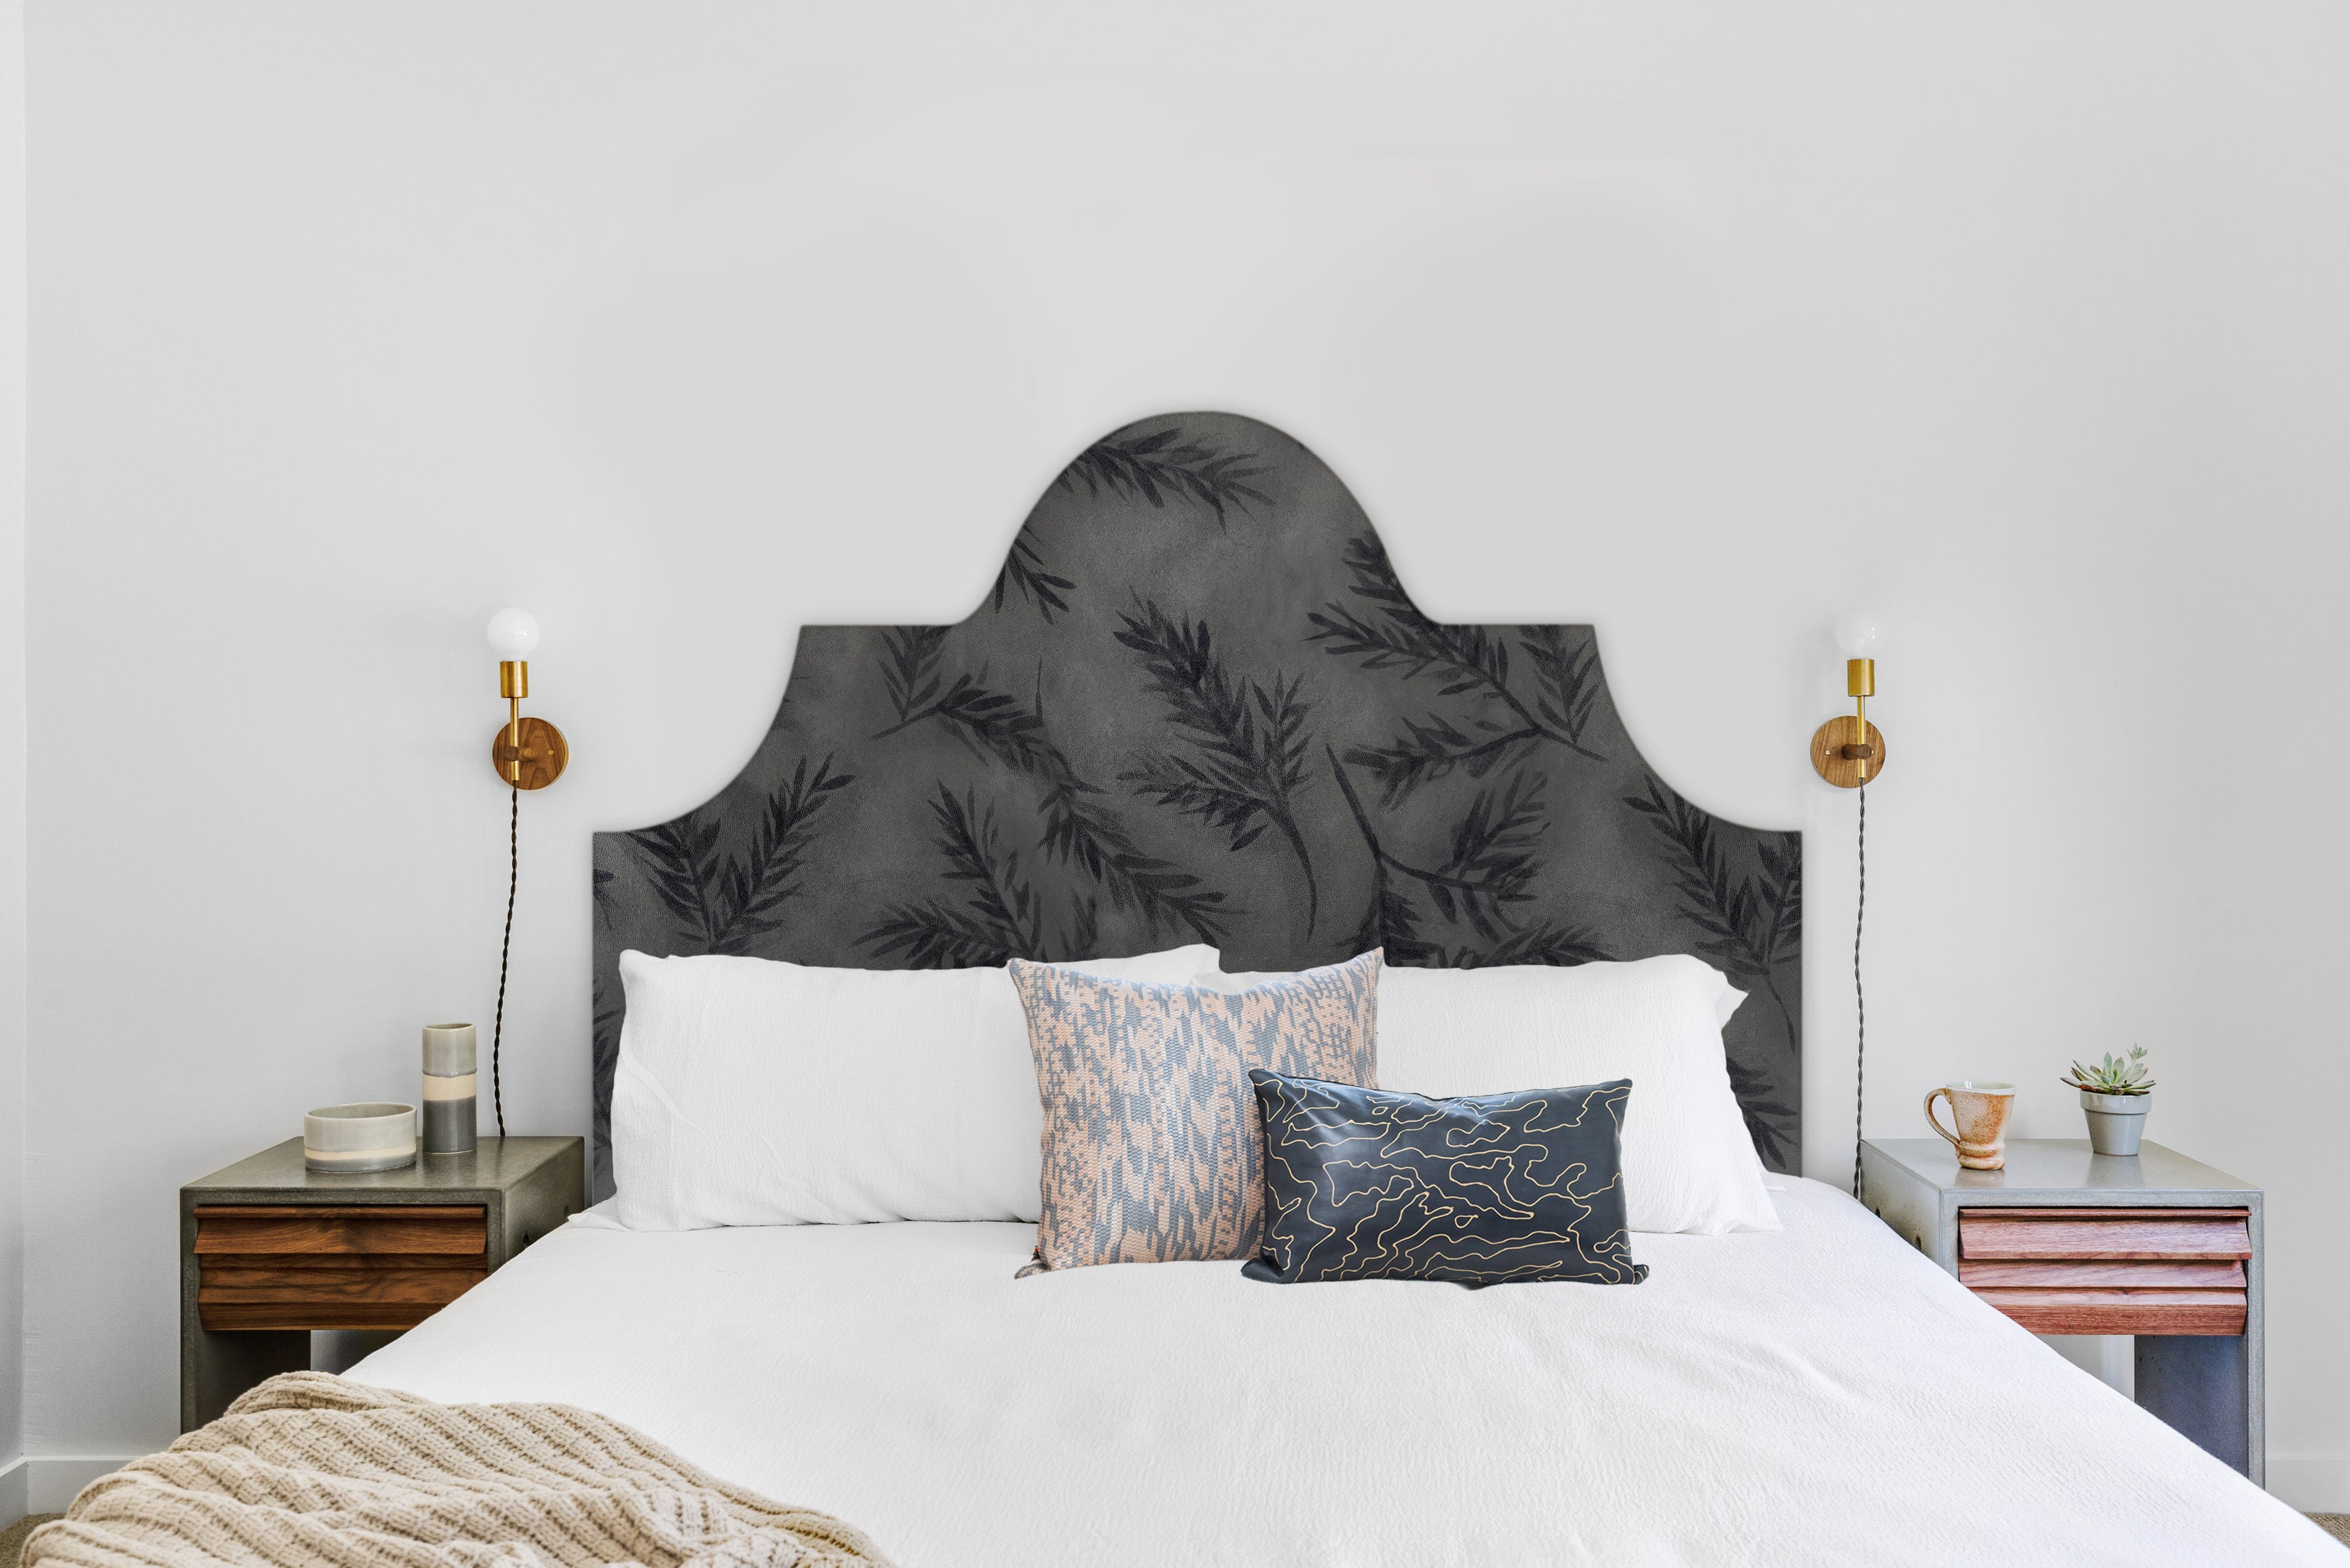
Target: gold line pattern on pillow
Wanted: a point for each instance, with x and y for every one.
(1151, 1147)
(1365, 1184)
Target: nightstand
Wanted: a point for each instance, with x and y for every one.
(2063, 1241)
(270, 1250)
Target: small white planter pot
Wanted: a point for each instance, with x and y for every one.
(2116, 1122)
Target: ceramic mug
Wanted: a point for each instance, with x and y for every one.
(1981, 1111)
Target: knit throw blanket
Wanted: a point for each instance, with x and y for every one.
(308, 1470)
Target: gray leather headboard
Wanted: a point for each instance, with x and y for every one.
(1198, 706)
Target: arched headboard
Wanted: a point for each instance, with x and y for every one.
(1198, 706)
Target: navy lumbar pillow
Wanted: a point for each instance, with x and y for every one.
(1366, 1183)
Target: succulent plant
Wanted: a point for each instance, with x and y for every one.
(2112, 1076)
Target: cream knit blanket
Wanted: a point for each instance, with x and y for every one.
(310, 1470)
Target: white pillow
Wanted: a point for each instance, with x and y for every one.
(1689, 1162)
(751, 1092)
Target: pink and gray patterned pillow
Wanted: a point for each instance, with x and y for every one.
(1153, 1151)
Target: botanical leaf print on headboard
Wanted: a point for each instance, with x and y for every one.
(1198, 706)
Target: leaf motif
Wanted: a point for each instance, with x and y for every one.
(910, 669)
(1002, 919)
(1078, 828)
(930, 935)
(679, 859)
(1082, 938)
(1567, 673)
(756, 888)
(1162, 466)
(1081, 832)
(1024, 571)
(1488, 869)
(1465, 659)
(1428, 752)
(724, 903)
(1247, 740)
(1546, 943)
(1749, 925)
(1769, 1120)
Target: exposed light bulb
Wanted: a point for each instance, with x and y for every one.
(1857, 635)
(514, 633)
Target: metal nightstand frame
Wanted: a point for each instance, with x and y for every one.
(526, 1186)
(2208, 1386)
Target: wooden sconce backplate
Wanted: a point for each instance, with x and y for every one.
(1828, 742)
(544, 753)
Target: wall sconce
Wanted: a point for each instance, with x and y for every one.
(529, 753)
(1850, 752)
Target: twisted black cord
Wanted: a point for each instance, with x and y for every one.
(505, 943)
(1859, 998)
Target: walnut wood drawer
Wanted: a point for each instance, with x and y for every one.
(285, 1266)
(2110, 1271)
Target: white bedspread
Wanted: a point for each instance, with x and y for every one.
(1820, 1395)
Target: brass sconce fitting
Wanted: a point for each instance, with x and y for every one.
(1850, 752)
(529, 753)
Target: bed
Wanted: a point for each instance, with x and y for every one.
(1819, 1395)
(1199, 706)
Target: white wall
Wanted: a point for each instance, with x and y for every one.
(682, 325)
(11, 756)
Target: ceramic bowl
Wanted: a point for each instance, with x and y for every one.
(372, 1135)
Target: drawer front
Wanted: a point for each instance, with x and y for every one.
(2110, 1271)
(273, 1230)
(2077, 1273)
(2122, 1311)
(345, 1266)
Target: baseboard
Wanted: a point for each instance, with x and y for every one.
(50, 1484)
(2313, 1483)
(34, 1485)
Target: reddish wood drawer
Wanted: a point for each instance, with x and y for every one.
(280, 1228)
(2110, 1271)
(284, 1266)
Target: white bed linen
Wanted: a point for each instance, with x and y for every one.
(1817, 1395)
(1688, 1160)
